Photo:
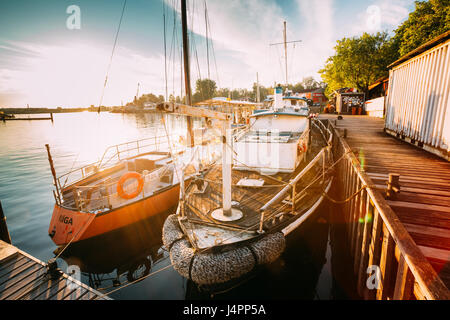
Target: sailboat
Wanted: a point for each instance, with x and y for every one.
(132, 182)
(236, 215)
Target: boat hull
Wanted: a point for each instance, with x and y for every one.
(70, 225)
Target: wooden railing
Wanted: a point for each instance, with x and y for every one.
(386, 261)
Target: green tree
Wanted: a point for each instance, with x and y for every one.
(427, 21)
(263, 92)
(359, 61)
(309, 83)
(222, 92)
(204, 90)
(296, 87)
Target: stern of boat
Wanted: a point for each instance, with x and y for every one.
(67, 224)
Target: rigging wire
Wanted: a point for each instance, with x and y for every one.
(165, 48)
(282, 207)
(112, 55)
(207, 39)
(212, 48)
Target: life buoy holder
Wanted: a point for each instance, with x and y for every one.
(125, 177)
(89, 193)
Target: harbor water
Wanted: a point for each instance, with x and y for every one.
(315, 265)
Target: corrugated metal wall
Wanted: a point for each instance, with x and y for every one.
(418, 103)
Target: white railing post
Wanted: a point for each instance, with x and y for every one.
(226, 168)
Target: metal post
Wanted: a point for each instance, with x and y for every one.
(4, 233)
(261, 222)
(226, 168)
(293, 198)
(393, 185)
(285, 53)
(182, 193)
(323, 168)
(309, 131)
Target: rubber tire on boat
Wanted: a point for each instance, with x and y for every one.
(146, 263)
(211, 268)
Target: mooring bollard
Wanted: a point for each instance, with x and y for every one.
(4, 233)
(393, 185)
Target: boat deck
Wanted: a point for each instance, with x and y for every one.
(206, 196)
(423, 204)
(23, 277)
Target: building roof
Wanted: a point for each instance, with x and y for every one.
(378, 82)
(318, 90)
(428, 45)
(221, 101)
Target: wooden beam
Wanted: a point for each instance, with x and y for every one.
(405, 281)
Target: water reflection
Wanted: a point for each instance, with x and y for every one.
(295, 275)
(118, 258)
(314, 265)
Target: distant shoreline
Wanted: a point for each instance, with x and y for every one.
(49, 110)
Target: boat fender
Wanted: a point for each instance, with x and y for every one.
(190, 266)
(125, 177)
(301, 147)
(255, 256)
(210, 268)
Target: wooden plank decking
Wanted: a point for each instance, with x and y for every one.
(423, 204)
(23, 277)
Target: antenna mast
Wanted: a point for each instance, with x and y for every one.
(285, 42)
(257, 89)
(285, 52)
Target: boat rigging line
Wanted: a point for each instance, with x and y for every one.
(112, 55)
(317, 178)
(165, 48)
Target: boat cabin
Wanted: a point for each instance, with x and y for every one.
(277, 138)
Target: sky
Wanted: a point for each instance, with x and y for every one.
(57, 53)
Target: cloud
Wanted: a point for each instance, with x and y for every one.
(243, 30)
(381, 15)
(72, 75)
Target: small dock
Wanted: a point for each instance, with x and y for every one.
(23, 277)
(407, 195)
(2, 118)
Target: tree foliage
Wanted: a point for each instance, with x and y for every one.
(359, 61)
(146, 98)
(205, 89)
(427, 21)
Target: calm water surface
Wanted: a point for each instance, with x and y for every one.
(315, 266)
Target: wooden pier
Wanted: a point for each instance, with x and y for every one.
(2, 118)
(23, 277)
(399, 220)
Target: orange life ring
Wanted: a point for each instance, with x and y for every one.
(125, 177)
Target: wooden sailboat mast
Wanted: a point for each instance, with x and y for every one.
(187, 75)
(191, 111)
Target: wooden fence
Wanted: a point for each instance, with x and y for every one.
(387, 262)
